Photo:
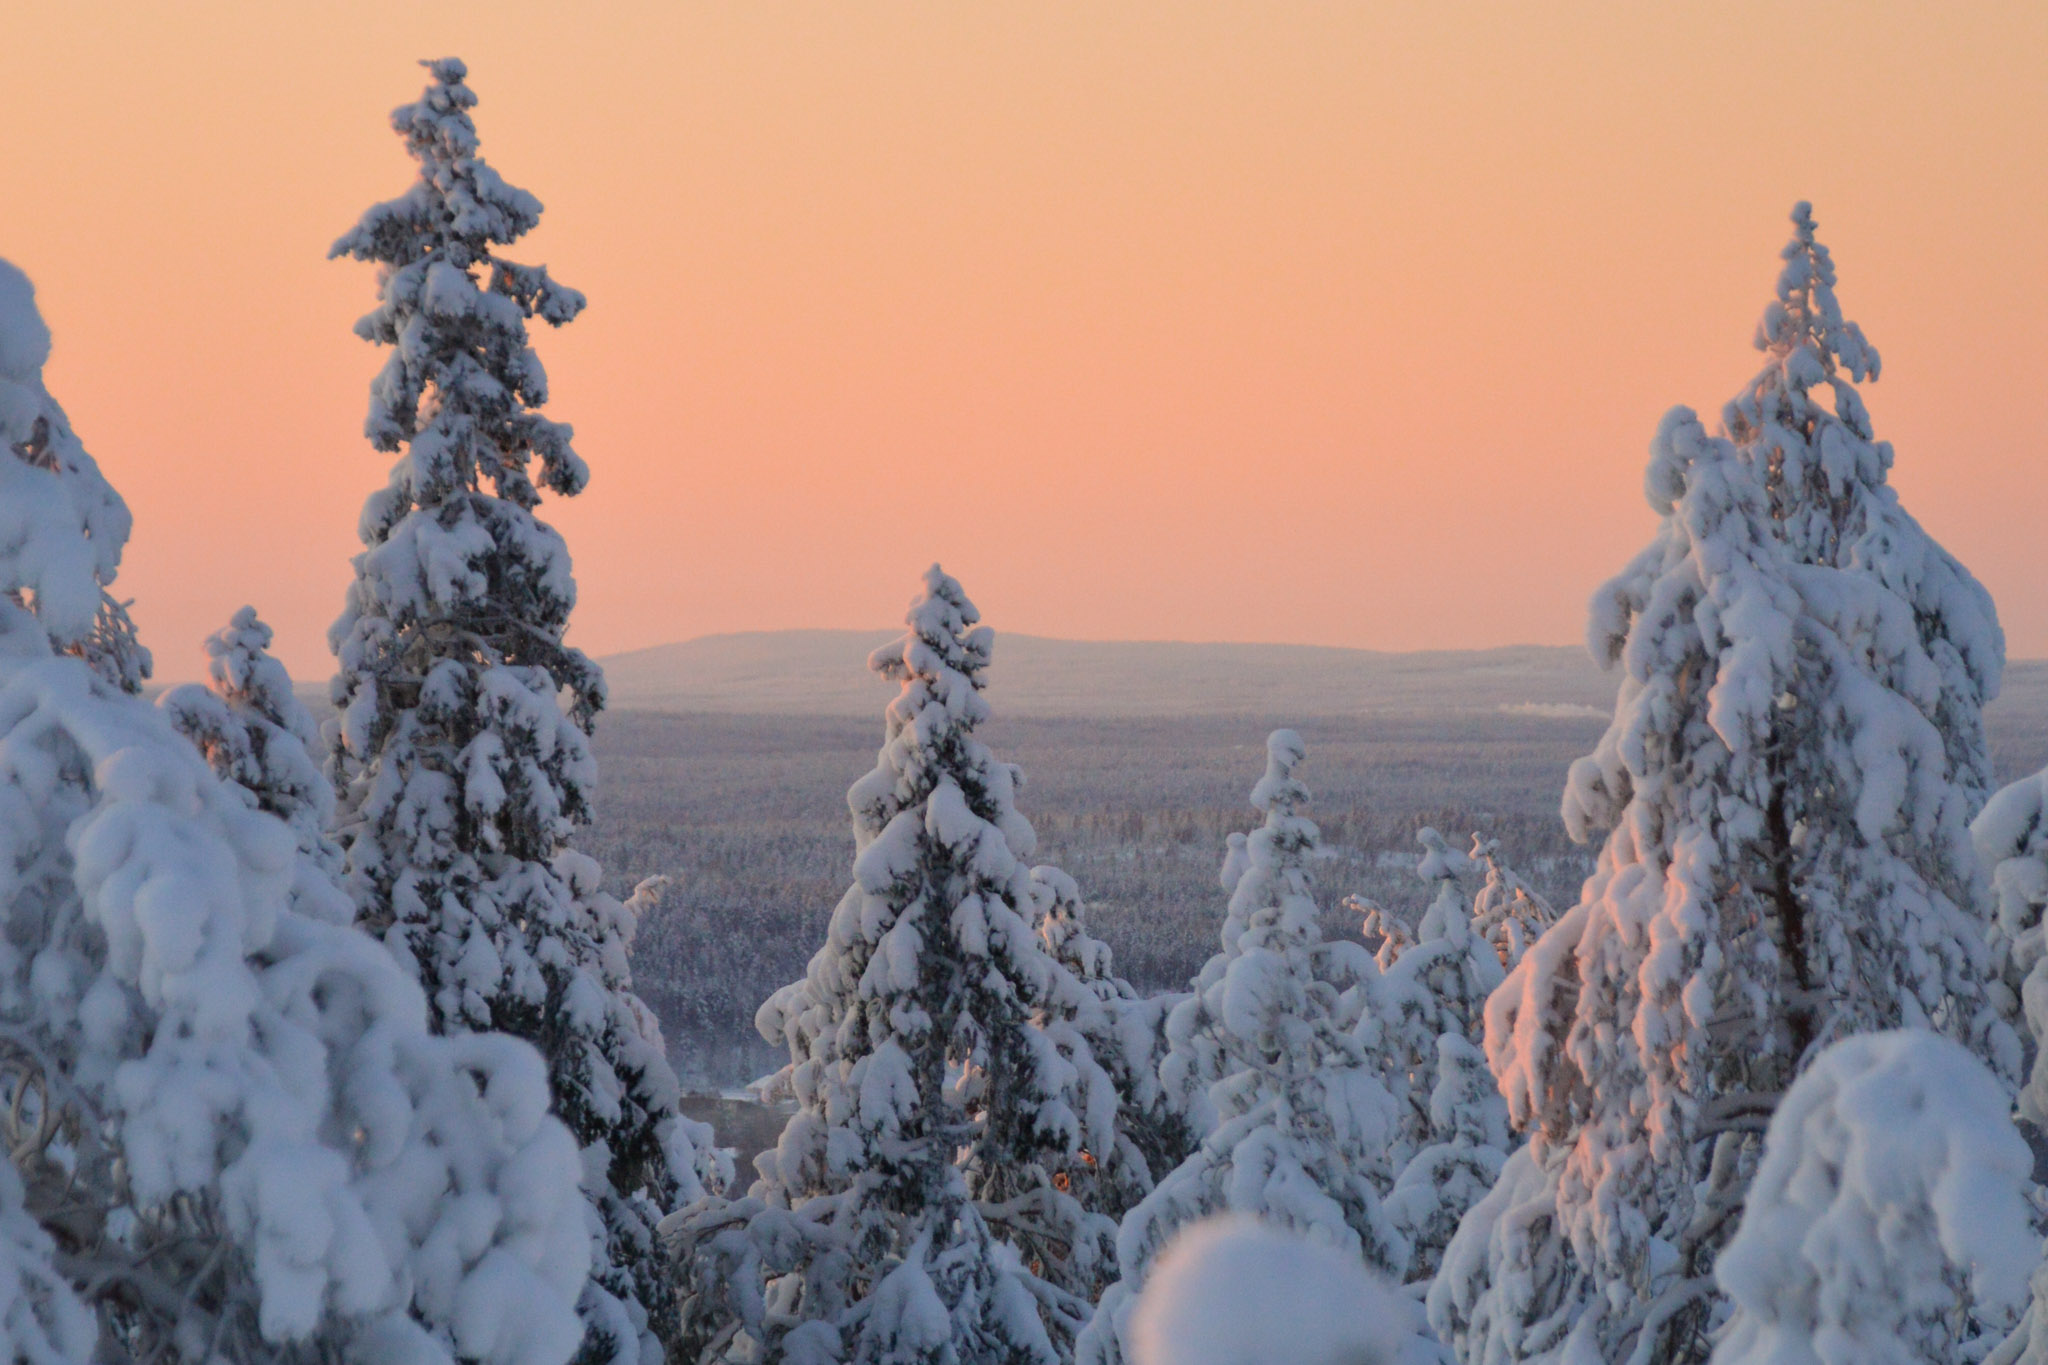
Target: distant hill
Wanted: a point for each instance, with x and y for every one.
(824, 673)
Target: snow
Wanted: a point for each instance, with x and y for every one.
(922, 1200)
(2010, 836)
(42, 1319)
(1888, 1223)
(1235, 1291)
(24, 336)
(260, 739)
(292, 1073)
(1300, 1129)
(461, 755)
(1803, 674)
(201, 1056)
(62, 525)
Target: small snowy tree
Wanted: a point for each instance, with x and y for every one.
(1888, 1221)
(260, 739)
(1390, 931)
(231, 1135)
(1435, 986)
(1507, 912)
(924, 1093)
(1145, 1133)
(1280, 1025)
(1784, 865)
(461, 776)
(64, 555)
(1453, 1131)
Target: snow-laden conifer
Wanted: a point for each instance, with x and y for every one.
(1435, 985)
(1047, 1157)
(925, 1095)
(235, 1137)
(64, 534)
(1784, 865)
(461, 755)
(1804, 424)
(1111, 1040)
(1280, 1026)
(1452, 1134)
(260, 739)
(1126, 1032)
(2011, 839)
(1507, 912)
(1888, 1220)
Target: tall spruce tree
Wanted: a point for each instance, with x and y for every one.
(229, 1134)
(1281, 1026)
(461, 775)
(1803, 423)
(1785, 859)
(936, 1114)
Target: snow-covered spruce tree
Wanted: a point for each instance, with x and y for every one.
(1437, 983)
(1802, 422)
(2011, 838)
(1048, 1161)
(1784, 866)
(1888, 1220)
(231, 1135)
(917, 1072)
(261, 740)
(68, 558)
(1507, 912)
(1389, 929)
(1280, 1023)
(460, 774)
(1135, 1130)
(1452, 1136)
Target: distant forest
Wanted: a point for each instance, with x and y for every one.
(748, 815)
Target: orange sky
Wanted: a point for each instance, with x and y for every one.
(1341, 323)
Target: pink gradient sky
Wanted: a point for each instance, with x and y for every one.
(1332, 323)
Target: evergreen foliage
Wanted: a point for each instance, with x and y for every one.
(1888, 1222)
(1784, 789)
(461, 775)
(229, 1133)
(935, 1115)
(1280, 1027)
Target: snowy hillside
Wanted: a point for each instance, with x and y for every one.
(823, 673)
(820, 673)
